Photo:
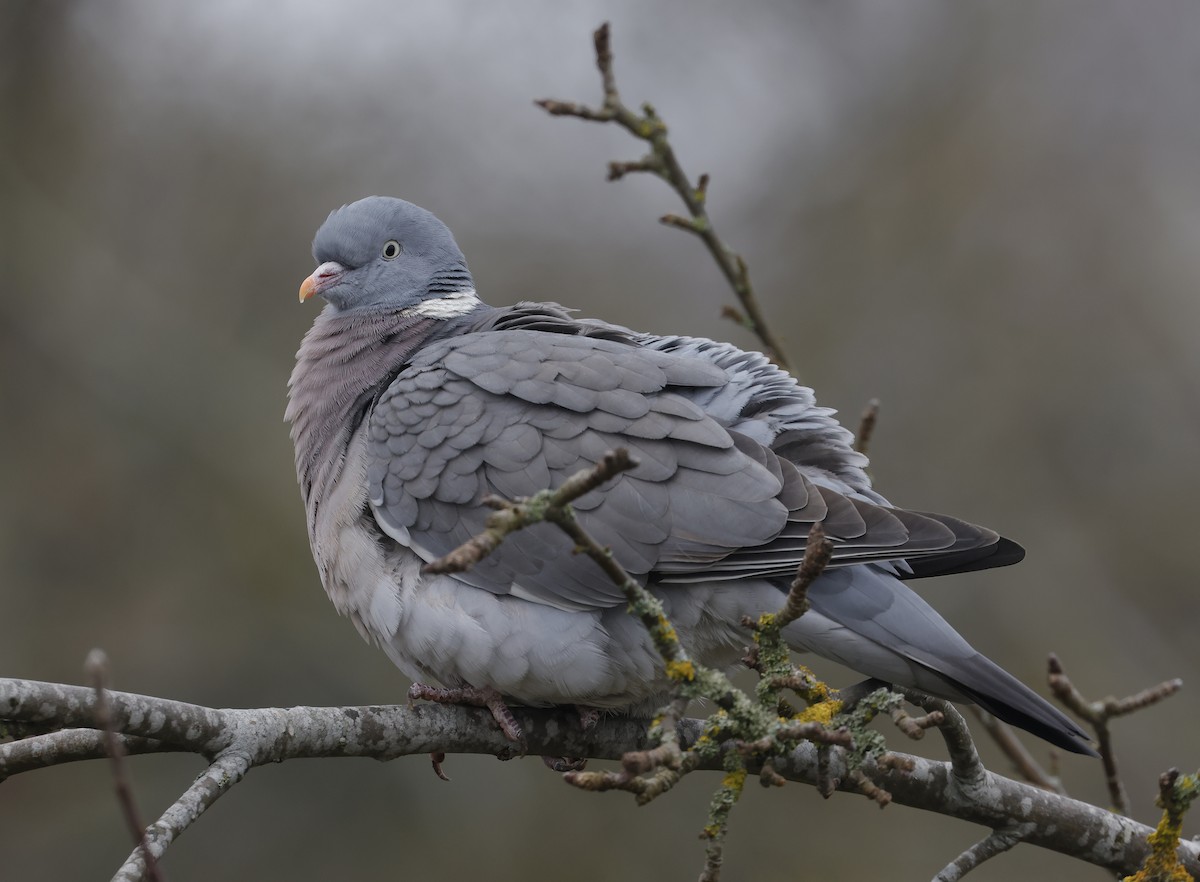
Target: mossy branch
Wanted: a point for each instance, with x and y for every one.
(1176, 793)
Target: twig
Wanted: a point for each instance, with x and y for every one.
(1028, 767)
(1098, 714)
(511, 517)
(662, 162)
(964, 758)
(866, 426)
(998, 842)
(817, 553)
(916, 727)
(213, 782)
(720, 807)
(97, 668)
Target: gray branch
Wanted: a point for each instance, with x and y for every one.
(236, 740)
(998, 842)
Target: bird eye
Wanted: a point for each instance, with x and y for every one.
(391, 249)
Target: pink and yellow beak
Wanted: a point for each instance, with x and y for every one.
(324, 276)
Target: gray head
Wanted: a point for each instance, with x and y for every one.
(385, 252)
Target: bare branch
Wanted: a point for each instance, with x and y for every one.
(662, 162)
(817, 554)
(1098, 714)
(215, 781)
(70, 745)
(184, 726)
(998, 842)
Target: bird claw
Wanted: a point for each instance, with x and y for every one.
(474, 697)
(588, 717)
(494, 702)
(564, 763)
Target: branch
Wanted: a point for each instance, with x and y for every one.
(1028, 767)
(662, 162)
(252, 737)
(215, 781)
(998, 842)
(71, 745)
(1098, 714)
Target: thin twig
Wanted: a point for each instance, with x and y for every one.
(97, 668)
(916, 727)
(662, 162)
(1098, 714)
(817, 553)
(866, 426)
(511, 517)
(998, 842)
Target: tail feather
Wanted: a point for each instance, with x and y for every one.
(1007, 698)
(1001, 553)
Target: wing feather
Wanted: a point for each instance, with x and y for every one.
(513, 412)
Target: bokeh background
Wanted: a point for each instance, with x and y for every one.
(986, 214)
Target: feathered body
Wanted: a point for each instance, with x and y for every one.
(411, 400)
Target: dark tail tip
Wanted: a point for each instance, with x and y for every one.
(1049, 723)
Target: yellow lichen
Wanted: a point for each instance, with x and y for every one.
(1162, 864)
(666, 631)
(734, 780)
(818, 689)
(822, 712)
(681, 670)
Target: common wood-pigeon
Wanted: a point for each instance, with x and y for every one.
(412, 400)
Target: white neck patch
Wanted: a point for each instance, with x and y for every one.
(454, 304)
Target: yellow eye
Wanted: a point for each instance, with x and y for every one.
(391, 249)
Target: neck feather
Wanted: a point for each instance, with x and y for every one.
(344, 362)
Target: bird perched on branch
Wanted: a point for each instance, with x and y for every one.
(412, 400)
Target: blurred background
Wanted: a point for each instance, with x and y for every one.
(987, 215)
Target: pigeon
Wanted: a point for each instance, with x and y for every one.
(412, 400)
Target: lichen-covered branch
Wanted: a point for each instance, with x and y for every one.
(662, 162)
(1176, 793)
(263, 735)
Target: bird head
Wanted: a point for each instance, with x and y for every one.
(381, 252)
